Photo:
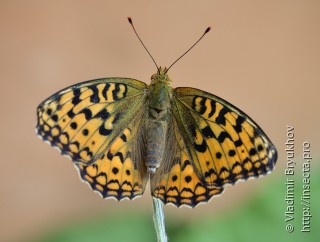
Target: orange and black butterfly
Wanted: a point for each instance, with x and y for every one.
(121, 132)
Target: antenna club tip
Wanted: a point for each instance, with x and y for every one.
(207, 30)
(130, 20)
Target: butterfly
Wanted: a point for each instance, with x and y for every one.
(120, 133)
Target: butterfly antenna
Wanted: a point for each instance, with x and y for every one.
(205, 32)
(130, 21)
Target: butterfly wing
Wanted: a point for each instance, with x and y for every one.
(225, 144)
(97, 124)
(176, 181)
(121, 171)
(219, 145)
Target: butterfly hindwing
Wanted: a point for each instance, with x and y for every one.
(176, 181)
(225, 145)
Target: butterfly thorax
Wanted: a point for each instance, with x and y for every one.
(160, 93)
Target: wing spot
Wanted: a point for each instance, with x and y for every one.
(103, 114)
(207, 132)
(54, 118)
(73, 125)
(115, 170)
(188, 179)
(202, 147)
(221, 119)
(218, 155)
(260, 147)
(123, 137)
(87, 112)
(71, 114)
(238, 143)
(252, 151)
(174, 178)
(49, 111)
(232, 153)
(103, 131)
(85, 132)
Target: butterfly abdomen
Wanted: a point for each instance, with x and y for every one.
(156, 136)
(157, 123)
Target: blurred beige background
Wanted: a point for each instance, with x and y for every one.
(262, 56)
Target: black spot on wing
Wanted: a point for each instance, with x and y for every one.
(115, 91)
(103, 131)
(207, 132)
(115, 170)
(232, 153)
(260, 147)
(185, 164)
(87, 112)
(73, 125)
(120, 155)
(105, 90)
(188, 179)
(238, 143)
(116, 118)
(252, 151)
(103, 114)
(239, 122)
(218, 155)
(221, 119)
(55, 118)
(209, 172)
(85, 132)
(125, 90)
(94, 98)
(222, 136)
(213, 108)
(76, 98)
(123, 137)
(49, 111)
(71, 114)
(202, 147)
(203, 108)
(109, 155)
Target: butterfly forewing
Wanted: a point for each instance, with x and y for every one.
(224, 143)
(82, 120)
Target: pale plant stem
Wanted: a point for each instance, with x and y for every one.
(158, 219)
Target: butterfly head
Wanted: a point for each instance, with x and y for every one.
(161, 76)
